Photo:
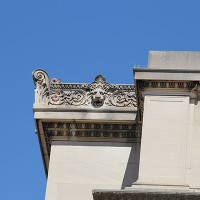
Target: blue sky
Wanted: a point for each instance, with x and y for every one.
(74, 40)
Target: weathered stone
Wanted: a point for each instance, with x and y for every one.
(137, 141)
(174, 59)
(145, 195)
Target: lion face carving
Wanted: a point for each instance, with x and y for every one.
(98, 97)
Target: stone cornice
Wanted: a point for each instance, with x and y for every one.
(90, 131)
(93, 130)
(165, 84)
(91, 112)
(87, 131)
(166, 74)
(173, 70)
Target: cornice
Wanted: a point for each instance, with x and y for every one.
(89, 131)
(85, 131)
(166, 84)
(91, 112)
(165, 70)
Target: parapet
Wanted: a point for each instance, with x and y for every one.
(174, 60)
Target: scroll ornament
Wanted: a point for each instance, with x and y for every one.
(195, 92)
(42, 89)
(97, 94)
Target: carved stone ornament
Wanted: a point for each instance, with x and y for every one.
(167, 84)
(91, 131)
(195, 92)
(190, 86)
(42, 89)
(97, 94)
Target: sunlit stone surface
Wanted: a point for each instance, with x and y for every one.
(137, 141)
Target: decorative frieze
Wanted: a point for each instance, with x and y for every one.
(191, 87)
(97, 94)
(167, 84)
(94, 131)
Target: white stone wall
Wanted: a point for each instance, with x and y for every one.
(174, 60)
(164, 140)
(76, 168)
(194, 167)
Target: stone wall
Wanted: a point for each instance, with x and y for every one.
(76, 168)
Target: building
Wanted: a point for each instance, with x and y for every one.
(112, 141)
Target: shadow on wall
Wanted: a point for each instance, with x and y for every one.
(86, 150)
(132, 168)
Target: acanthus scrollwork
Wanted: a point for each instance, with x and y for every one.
(71, 97)
(98, 94)
(122, 99)
(195, 92)
(42, 87)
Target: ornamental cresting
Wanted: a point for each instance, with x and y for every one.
(97, 94)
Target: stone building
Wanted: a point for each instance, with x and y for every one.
(117, 141)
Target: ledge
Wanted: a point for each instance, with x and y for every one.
(166, 74)
(142, 194)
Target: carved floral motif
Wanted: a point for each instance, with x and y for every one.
(97, 94)
(195, 92)
(122, 99)
(41, 81)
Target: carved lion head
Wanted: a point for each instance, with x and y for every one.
(98, 97)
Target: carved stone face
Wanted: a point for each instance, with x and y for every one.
(98, 97)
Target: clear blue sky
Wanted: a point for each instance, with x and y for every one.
(74, 40)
